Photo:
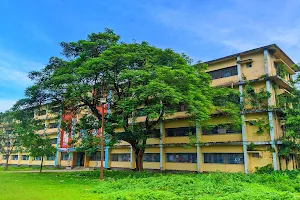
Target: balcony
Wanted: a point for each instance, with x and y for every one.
(287, 67)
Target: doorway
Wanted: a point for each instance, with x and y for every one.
(80, 159)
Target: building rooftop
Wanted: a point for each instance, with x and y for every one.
(272, 47)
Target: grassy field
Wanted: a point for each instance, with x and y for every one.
(26, 168)
(132, 185)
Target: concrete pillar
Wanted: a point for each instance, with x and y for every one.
(161, 146)
(244, 140)
(270, 113)
(199, 157)
(57, 157)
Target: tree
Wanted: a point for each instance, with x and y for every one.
(38, 146)
(290, 147)
(9, 137)
(144, 80)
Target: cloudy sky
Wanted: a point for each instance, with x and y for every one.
(203, 29)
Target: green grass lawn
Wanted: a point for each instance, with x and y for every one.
(26, 168)
(132, 185)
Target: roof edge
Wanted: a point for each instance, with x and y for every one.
(251, 51)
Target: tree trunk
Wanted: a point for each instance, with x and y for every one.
(280, 166)
(41, 167)
(139, 153)
(286, 163)
(294, 159)
(6, 163)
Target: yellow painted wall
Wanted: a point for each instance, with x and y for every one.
(120, 164)
(119, 150)
(152, 150)
(251, 135)
(258, 66)
(180, 150)
(181, 166)
(266, 158)
(66, 163)
(94, 164)
(153, 141)
(151, 165)
(173, 140)
(221, 137)
(209, 167)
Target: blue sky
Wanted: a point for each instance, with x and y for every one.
(31, 30)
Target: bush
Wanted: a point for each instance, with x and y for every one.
(268, 169)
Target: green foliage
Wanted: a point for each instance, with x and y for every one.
(281, 70)
(133, 185)
(262, 125)
(137, 74)
(13, 125)
(257, 100)
(268, 169)
(251, 147)
(226, 102)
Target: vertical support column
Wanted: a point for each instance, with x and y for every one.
(198, 147)
(131, 158)
(161, 148)
(19, 158)
(270, 113)
(106, 161)
(106, 157)
(56, 161)
(46, 120)
(238, 59)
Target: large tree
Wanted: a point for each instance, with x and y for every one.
(143, 81)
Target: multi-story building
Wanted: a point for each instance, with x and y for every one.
(219, 149)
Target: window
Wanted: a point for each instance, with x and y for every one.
(182, 157)
(14, 157)
(64, 156)
(248, 65)
(151, 157)
(55, 109)
(122, 157)
(53, 141)
(255, 155)
(184, 131)
(52, 125)
(221, 129)
(5, 157)
(225, 158)
(41, 112)
(96, 156)
(222, 73)
(36, 158)
(155, 134)
(25, 157)
(8, 131)
(50, 158)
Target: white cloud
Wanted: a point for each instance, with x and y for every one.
(236, 25)
(12, 76)
(6, 104)
(14, 69)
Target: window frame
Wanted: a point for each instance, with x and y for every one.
(192, 157)
(224, 72)
(177, 131)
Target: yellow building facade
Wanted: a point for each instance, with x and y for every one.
(220, 149)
